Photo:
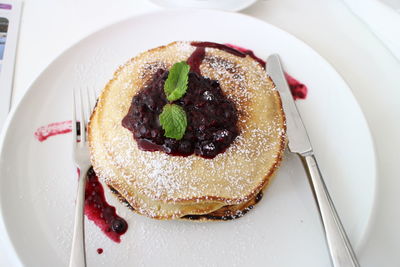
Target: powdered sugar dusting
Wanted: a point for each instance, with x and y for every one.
(164, 176)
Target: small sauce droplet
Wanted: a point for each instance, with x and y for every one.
(99, 251)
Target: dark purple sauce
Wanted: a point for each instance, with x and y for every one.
(53, 129)
(212, 118)
(195, 59)
(299, 90)
(100, 212)
(100, 251)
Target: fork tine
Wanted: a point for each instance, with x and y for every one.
(74, 130)
(90, 103)
(82, 118)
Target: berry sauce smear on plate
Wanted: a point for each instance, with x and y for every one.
(96, 207)
(100, 212)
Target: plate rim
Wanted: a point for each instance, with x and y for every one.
(4, 234)
(244, 5)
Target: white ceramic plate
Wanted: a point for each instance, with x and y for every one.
(38, 180)
(228, 5)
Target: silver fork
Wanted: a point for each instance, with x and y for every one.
(83, 104)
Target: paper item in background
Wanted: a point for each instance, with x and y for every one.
(383, 21)
(10, 14)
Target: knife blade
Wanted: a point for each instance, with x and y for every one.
(340, 249)
(298, 141)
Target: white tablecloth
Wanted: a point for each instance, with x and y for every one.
(49, 27)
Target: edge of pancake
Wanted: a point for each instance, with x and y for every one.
(229, 212)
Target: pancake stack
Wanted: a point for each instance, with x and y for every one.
(163, 186)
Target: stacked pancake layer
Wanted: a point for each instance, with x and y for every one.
(166, 187)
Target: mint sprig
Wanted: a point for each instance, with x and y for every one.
(177, 82)
(173, 120)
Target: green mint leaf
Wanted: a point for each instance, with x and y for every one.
(173, 120)
(176, 84)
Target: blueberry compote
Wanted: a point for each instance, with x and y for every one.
(100, 212)
(212, 118)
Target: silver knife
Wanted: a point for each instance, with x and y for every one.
(342, 254)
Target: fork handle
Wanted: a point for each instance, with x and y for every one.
(78, 254)
(340, 249)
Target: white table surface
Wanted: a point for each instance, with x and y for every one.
(48, 27)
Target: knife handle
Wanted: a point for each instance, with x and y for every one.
(340, 249)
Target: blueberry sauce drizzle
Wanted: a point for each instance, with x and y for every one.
(195, 59)
(298, 90)
(53, 129)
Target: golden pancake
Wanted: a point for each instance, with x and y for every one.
(162, 186)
